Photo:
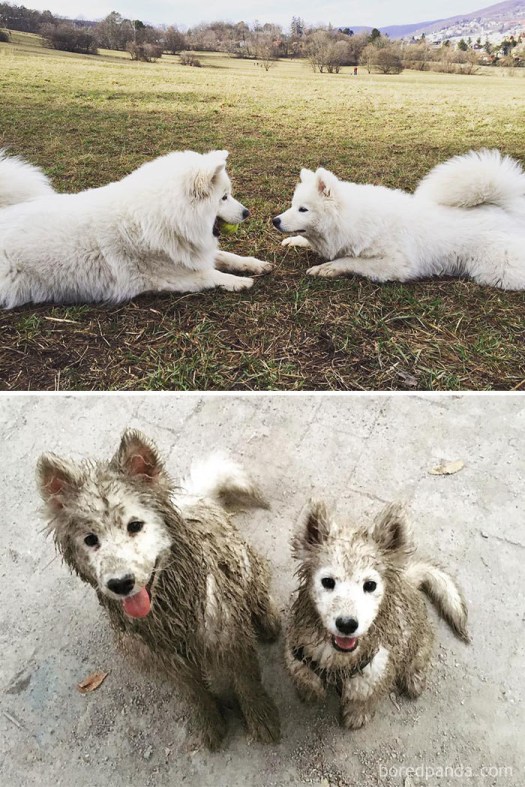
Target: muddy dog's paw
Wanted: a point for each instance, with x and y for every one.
(354, 718)
(415, 684)
(263, 721)
(311, 693)
(211, 735)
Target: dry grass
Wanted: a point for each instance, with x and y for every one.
(89, 120)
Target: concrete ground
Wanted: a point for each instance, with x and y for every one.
(358, 453)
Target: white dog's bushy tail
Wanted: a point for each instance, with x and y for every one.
(222, 479)
(483, 177)
(20, 181)
(443, 593)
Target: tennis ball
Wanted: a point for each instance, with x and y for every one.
(229, 229)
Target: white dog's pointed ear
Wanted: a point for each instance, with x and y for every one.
(205, 179)
(391, 530)
(306, 175)
(138, 457)
(314, 529)
(57, 479)
(220, 155)
(326, 182)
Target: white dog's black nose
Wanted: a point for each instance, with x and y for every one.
(346, 625)
(122, 586)
(245, 213)
(276, 221)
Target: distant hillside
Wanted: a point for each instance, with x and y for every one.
(398, 31)
(500, 19)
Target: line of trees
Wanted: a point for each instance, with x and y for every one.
(142, 41)
(327, 49)
(18, 17)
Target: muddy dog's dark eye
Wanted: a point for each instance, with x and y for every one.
(225, 197)
(369, 586)
(91, 540)
(135, 526)
(328, 583)
(303, 210)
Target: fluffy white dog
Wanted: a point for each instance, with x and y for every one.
(151, 231)
(467, 217)
(20, 181)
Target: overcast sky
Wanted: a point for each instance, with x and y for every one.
(188, 12)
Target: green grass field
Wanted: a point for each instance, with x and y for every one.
(90, 120)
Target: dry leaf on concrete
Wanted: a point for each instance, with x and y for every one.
(92, 682)
(447, 468)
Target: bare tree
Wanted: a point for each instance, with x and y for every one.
(189, 59)
(367, 57)
(147, 53)
(383, 57)
(388, 61)
(68, 38)
(174, 41)
(266, 50)
(417, 56)
(317, 46)
(114, 31)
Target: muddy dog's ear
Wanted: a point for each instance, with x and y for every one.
(313, 530)
(138, 457)
(391, 530)
(205, 179)
(57, 479)
(326, 183)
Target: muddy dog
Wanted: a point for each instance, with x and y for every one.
(185, 594)
(359, 620)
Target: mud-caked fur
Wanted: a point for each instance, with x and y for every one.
(208, 588)
(377, 584)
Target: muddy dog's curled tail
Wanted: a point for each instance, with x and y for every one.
(226, 482)
(444, 594)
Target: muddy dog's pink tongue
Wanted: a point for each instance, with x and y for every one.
(345, 643)
(138, 605)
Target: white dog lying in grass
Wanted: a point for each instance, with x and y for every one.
(152, 231)
(467, 217)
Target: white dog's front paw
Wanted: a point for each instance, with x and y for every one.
(258, 266)
(295, 240)
(327, 270)
(236, 283)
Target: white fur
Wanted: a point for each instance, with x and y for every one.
(482, 177)
(150, 231)
(364, 684)
(20, 181)
(466, 218)
(347, 599)
(215, 475)
(211, 613)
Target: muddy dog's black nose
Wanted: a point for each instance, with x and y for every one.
(122, 586)
(245, 213)
(346, 625)
(276, 221)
